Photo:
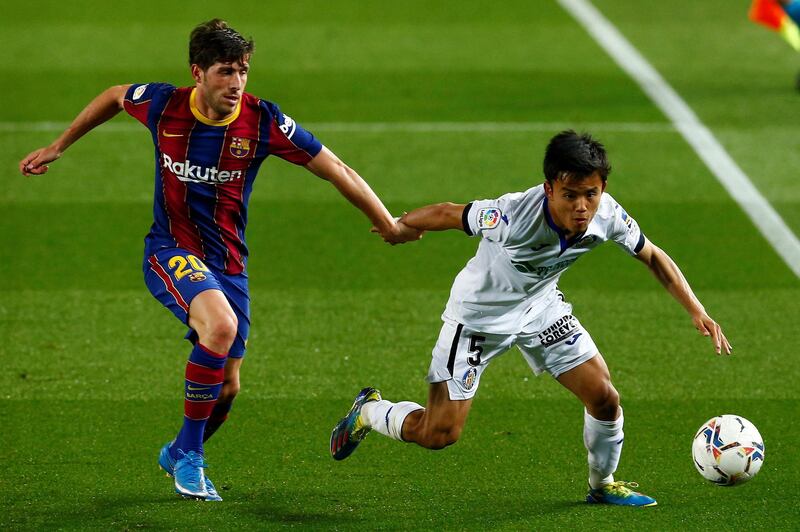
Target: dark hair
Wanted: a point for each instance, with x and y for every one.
(214, 41)
(572, 155)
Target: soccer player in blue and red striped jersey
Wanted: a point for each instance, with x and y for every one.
(210, 141)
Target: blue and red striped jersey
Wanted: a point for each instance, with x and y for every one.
(205, 168)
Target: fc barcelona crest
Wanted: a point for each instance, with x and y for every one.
(240, 147)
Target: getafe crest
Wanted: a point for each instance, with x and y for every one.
(469, 378)
(240, 147)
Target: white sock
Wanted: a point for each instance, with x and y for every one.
(603, 440)
(387, 417)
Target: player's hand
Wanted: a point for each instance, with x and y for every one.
(404, 233)
(35, 163)
(708, 327)
(399, 233)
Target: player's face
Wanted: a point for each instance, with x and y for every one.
(573, 202)
(220, 87)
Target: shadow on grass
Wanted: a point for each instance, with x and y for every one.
(331, 512)
(554, 507)
(159, 512)
(284, 505)
(122, 511)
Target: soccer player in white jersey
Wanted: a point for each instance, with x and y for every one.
(507, 295)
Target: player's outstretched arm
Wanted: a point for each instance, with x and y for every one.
(437, 217)
(104, 107)
(353, 187)
(668, 273)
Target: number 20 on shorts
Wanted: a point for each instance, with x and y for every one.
(182, 266)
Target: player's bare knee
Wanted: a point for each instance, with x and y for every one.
(605, 402)
(611, 406)
(221, 331)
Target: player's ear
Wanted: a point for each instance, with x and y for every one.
(548, 190)
(197, 73)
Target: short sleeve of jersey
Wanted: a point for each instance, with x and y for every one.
(140, 96)
(624, 230)
(287, 139)
(492, 219)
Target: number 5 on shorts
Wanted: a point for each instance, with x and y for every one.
(475, 348)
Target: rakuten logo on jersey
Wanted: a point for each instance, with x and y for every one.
(193, 173)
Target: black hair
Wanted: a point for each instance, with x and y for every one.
(570, 154)
(214, 41)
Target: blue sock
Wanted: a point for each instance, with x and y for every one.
(205, 372)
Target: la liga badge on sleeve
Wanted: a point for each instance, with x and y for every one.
(489, 218)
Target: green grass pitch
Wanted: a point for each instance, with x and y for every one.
(92, 364)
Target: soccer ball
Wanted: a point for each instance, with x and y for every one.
(728, 450)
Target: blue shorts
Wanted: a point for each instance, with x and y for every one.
(175, 276)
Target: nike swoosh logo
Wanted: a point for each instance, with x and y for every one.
(172, 134)
(194, 388)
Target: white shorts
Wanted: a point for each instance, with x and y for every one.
(554, 341)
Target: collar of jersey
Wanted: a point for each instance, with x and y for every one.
(207, 121)
(562, 237)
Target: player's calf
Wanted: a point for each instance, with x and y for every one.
(419, 428)
(436, 426)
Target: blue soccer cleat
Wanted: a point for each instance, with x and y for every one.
(190, 480)
(619, 493)
(165, 461)
(213, 496)
(167, 464)
(351, 429)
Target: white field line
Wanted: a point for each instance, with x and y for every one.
(699, 137)
(392, 127)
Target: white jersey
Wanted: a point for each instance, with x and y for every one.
(521, 256)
